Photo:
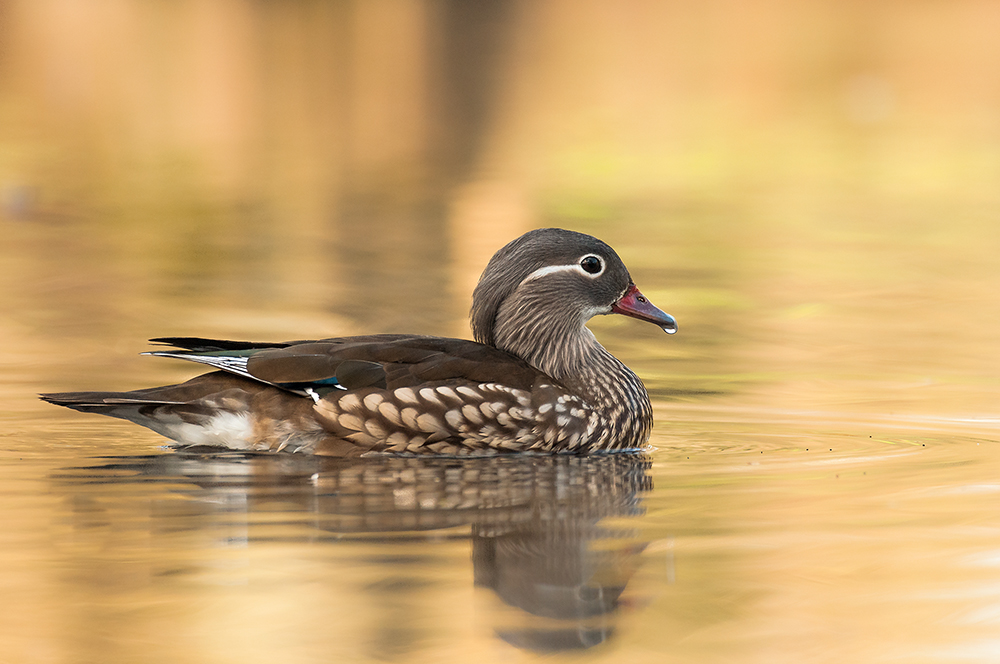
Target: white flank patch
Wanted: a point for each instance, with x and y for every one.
(232, 430)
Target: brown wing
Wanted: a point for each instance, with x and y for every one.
(390, 362)
(416, 394)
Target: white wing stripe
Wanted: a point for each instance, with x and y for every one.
(236, 365)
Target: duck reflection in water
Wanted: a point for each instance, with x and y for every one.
(535, 522)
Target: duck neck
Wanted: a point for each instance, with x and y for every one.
(567, 351)
(555, 341)
(570, 354)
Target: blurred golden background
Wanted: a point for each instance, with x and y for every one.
(812, 188)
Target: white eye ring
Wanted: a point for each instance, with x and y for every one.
(592, 265)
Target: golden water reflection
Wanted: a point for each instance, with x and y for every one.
(753, 536)
(551, 575)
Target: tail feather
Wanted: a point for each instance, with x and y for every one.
(98, 402)
(188, 394)
(202, 345)
(188, 421)
(216, 409)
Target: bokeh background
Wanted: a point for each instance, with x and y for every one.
(812, 188)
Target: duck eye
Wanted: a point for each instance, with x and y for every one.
(591, 264)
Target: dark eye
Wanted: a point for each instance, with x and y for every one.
(591, 264)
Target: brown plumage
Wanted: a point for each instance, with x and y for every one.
(534, 379)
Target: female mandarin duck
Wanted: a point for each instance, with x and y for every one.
(534, 379)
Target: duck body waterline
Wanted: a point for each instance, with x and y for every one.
(535, 378)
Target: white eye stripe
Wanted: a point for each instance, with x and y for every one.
(552, 269)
